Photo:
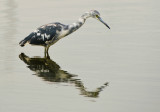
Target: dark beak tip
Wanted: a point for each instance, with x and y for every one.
(103, 22)
(108, 27)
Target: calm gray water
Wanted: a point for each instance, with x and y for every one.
(92, 70)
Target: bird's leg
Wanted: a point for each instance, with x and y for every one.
(46, 52)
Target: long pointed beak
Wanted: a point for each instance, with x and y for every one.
(100, 19)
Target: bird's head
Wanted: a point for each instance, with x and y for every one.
(95, 14)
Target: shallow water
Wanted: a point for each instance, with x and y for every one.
(94, 69)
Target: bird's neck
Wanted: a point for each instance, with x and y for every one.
(76, 25)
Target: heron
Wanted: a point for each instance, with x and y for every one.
(48, 34)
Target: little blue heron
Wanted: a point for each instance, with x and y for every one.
(49, 34)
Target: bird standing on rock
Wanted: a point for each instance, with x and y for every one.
(49, 34)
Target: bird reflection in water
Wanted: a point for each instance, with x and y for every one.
(50, 71)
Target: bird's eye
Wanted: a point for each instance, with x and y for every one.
(97, 16)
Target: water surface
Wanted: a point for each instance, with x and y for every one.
(93, 69)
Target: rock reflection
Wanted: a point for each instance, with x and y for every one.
(50, 71)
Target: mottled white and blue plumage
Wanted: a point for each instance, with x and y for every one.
(49, 34)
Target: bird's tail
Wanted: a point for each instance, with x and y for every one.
(25, 40)
(22, 43)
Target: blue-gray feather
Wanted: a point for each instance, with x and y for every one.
(43, 35)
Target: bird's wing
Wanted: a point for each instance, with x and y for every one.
(44, 34)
